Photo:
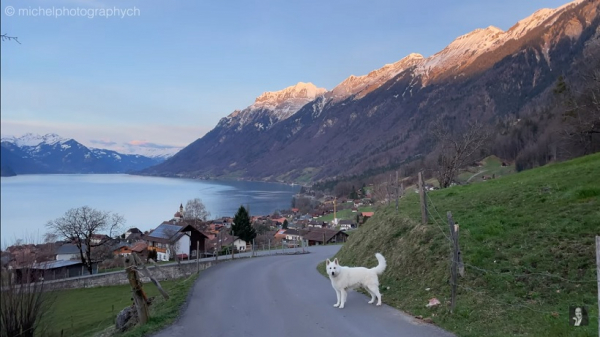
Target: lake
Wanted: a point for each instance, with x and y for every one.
(30, 201)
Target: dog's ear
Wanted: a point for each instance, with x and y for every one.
(327, 262)
(336, 261)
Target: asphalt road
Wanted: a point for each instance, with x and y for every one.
(284, 296)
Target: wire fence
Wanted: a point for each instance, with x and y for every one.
(436, 219)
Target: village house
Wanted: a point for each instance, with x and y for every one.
(54, 270)
(139, 248)
(317, 224)
(69, 251)
(292, 235)
(96, 239)
(224, 240)
(132, 230)
(170, 239)
(316, 236)
(347, 224)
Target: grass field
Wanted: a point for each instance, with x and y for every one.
(492, 166)
(83, 312)
(527, 241)
(346, 214)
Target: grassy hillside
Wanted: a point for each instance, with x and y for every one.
(527, 241)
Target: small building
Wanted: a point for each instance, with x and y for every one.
(132, 230)
(347, 224)
(292, 235)
(54, 270)
(122, 250)
(170, 239)
(316, 237)
(97, 239)
(69, 251)
(224, 240)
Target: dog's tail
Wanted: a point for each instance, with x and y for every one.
(381, 266)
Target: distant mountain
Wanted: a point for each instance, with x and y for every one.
(381, 120)
(31, 154)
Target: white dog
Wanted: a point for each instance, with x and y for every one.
(343, 278)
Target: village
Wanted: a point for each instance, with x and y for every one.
(181, 238)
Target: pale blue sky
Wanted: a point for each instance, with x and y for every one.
(168, 73)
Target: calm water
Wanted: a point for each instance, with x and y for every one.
(30, 201)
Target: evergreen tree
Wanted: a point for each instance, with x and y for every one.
(242, 227)
(285, 225)
(353, 194)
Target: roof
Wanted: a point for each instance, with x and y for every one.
(139, 247)
(69, 248)
(346, 222)
(133, 230)
(225, 238)
(134, 236)
(317, 234)
(165, 231)
(368, 213)
(55, 264)
(291, 232)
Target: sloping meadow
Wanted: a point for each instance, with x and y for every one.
(527, 242)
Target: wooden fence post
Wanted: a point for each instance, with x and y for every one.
(424, 218)
(198, 256)
(397, 191)
(139, 297)
(138, 262)
(453, 273)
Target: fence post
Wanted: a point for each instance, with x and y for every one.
(139, 297)
(397, 191)
(453, 237)
(198, 256)
(423, 201)
(269, 246)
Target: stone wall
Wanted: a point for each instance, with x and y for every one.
(162, 273)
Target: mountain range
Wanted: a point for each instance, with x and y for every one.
(34, 154)
(380, 120)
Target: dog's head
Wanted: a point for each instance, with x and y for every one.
(333, 268)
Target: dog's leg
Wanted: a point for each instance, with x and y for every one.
(337, 293)
(375, 290)
(372, 296)
(344, 296)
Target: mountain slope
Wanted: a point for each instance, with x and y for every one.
(380, 120)
(31, 154)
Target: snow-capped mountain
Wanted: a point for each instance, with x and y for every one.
(380, 120)
(272, 107)
(146, 150)
(30, 139)
(51, 153)
(362, 85)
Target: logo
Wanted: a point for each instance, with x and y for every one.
(578, 316)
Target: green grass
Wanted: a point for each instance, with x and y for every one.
(345, 214)
(83, 312)
(492, 165)
(516, 230)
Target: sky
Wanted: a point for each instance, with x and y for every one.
(163, 73)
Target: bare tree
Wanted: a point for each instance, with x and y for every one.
(5, 37)
(456, 148)
(582, 109)
(80, 224)
(25, 300)
(195, 210)
(380, 190)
